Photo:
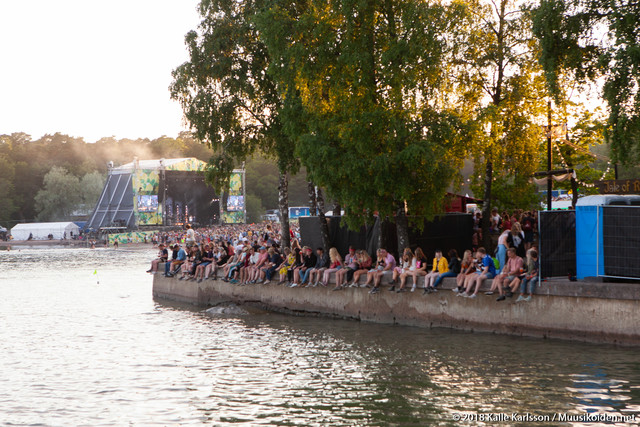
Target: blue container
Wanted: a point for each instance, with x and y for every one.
(589, 239)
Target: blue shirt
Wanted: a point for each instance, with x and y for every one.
(182, 255)
(487, 261)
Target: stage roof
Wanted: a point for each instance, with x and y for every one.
(183, 164)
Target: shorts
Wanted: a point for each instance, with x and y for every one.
(489, 274)
(528, 236)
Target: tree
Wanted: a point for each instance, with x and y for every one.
(60, 196)
(365, 79)
(587, 40)
(227, 97)
(7, 203)
(500, 76)
(91, 186)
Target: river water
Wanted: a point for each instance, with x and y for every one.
(83, 343)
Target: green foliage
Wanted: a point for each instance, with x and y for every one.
(7, 189)
(226, 95)
(593, 39)
(254, 209)
(363, 80)
(60, 196)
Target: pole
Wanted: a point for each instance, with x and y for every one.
(549, 177)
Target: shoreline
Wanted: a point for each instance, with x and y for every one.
(603, 313)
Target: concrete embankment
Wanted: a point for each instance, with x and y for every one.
(581, 311)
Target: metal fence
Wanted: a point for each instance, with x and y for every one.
(620, 241)
(557, 243)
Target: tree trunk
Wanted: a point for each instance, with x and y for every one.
(313, 201)
(324, 227)
(283, 202)
(574, 192)
(402, 228)
(486, 207)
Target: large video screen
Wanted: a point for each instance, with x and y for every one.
(235, 203)
(147, 203)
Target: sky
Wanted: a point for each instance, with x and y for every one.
(90, 68)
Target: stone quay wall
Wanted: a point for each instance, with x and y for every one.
(580, 311)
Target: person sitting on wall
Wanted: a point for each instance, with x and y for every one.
(271, 265)
(345, 274)
(454, 270)
(511, 271)
(287, 263)
(486, 269)
(531, 277)
(336, 264)
(322, 263)
(440, 266)
(163, 255)
(467, 268)
(408, 260)
(309, 260)
(387, 270)
(364, 262)
(207, 259)
(180, 256)
(263, 258)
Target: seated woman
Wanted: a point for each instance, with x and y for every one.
(407, 261)
(531, 278)
(207, 259)
(364, 262)
(336, 264)
(350, 266)
(454, 270)
(283, 269)
(377, 267)
(440, 265)
(418, 268)
(467, 268)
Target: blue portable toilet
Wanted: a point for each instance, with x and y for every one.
(589, 247)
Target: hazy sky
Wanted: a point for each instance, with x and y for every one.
(92, 68)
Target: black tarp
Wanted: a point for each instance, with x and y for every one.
(621, 241)
(450, 231)
(557, 243)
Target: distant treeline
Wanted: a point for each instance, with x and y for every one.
(25, 162)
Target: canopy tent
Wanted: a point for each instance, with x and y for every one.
(41, 230)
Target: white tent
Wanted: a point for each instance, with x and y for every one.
(41, 230)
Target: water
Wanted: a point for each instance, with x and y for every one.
(78, 352)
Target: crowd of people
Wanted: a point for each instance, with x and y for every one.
(251, 254)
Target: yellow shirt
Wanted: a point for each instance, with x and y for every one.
(442, 266)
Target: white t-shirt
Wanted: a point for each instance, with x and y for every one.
(191, 235)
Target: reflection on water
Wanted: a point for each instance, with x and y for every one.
(76, 351)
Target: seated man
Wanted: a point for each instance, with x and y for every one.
(180, 256)
(486, 270)
(309, 260)
(510, 272)
(322, 263)
(163, 256)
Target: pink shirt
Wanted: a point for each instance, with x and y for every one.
(513, 265)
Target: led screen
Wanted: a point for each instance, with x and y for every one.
(235, 203)
(147, 203)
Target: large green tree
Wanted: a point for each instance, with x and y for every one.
(500, 77)
(593, 41)
(227, 97)
(366, 79)
(60, 196)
